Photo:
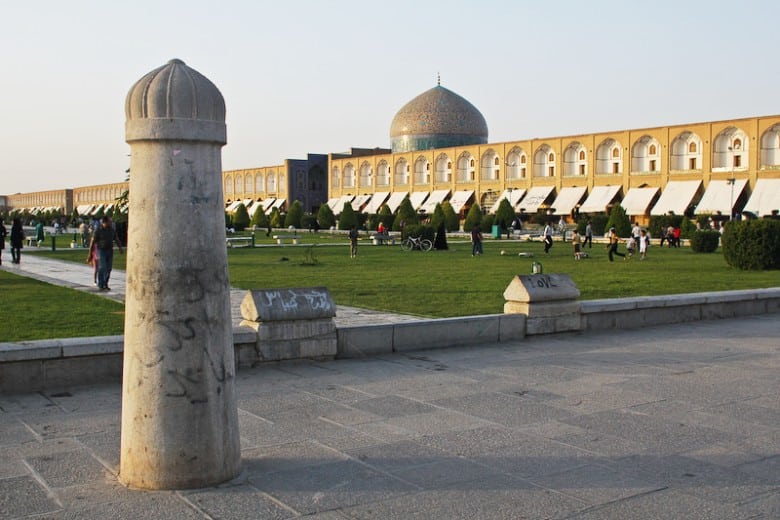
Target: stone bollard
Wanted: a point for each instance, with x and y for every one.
(179, 412)
(291, 323)
(548, 300)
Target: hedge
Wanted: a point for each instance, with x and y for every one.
(704, 241)
(752, 244)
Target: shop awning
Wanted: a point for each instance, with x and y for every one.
(600, 197)
(460, 199)
(765, 198)
(340, 204)
(376, 202)
(360, 201)
(637, 201)
(676, 197)
(278, 203)
(567, 199)
(233, 205)
(437, 197)
(332, 202)
(719, 198)
(513, 196)
(267, 203)
(395, 200)
(417, 198)
(536, 197)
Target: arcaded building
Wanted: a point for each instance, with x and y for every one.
(440, 151)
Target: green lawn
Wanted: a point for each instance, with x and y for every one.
(453, 283)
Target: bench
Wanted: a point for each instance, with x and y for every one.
(281, 238)
(31, 241)
(240, 241)
(379, 239)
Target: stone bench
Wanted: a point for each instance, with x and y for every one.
(240, 241)
(31, 241)
(281, 238)
(379, 239)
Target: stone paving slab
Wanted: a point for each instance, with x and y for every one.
(680, 421)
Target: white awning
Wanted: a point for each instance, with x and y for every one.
(254, 208)
(96, 209)
(360, 201)
(417, 198)
(719, 198)
(637, 201)
(332, 202)
(396, 199)
(513, 196)
(437, 197)
(567, 199)
(460, 199)
(676, 197)
(233, 205)
(765, 198)
(600, 197)
(536, 197)
(340, 204)
(84, 209)
(376, 202)
(278, 203)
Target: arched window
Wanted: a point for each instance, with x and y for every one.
(282, 184)
(270, 182)
(335, 177)
(644, 155)
(349, 176)
(465, 168)
(574, 160)
(609, 157)
(442, 169)
(653, 150)
(259, 183)
(421, 169)
(382, 174)
(365, 174)
(686, 152)
(488, 170)
(727, 150)
(401, 177)
(770, 147)
(239, 184)
(515, 163)
(544, 162)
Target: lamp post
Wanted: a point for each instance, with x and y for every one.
(731, 181)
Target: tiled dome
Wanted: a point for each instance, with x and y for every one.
(437, 118)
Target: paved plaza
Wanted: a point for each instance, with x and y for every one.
(679, 421)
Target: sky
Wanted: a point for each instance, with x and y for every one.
(312, 76)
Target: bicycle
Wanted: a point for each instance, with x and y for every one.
(411, 243)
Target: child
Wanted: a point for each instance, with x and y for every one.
(92, 260)
(643, 241)
(575, 240)
(630, 245)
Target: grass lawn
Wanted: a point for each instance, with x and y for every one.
(37, 310)
(453, 283)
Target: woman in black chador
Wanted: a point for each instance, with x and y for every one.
(440, 243)
(17, 238)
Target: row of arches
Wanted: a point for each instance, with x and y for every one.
(240, 184)
(729, 152)
(98, 194)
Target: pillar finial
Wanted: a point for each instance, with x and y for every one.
(438, 79)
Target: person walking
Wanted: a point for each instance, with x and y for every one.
(104, 239)
(476, 241)
(644, 240)
(588, 235)
(17, 240)
(614, 240)
(353, 240)
(548, 240)
(3, 234)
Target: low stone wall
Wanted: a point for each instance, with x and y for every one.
(54, 364)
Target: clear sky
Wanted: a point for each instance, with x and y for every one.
(323, 76)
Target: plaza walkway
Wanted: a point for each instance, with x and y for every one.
(673, 422)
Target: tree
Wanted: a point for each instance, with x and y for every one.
(438, 217)
(325, 217)
(406, 214)
(505, 214)
(348, 217)
(294, 215)
(240, 217)
(386, 216)
(619, 220)
(473, 218)
(451, 219)
(276, 218)
(259, 218)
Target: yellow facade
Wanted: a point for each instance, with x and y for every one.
(746, 148)
(255, 183)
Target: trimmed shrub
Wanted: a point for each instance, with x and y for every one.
(438, 216)
(240, 218)
(704, 241)
(276, 218)
(348, 217)
(406, 214)
(308, 220)
(419, 230)
(385, 216)
(325, 217)
(619, 220)
(451, 219)
(486, 224)
(688, 228)
(259, 219)
(294, 215)
(504, 214)
(661, 222)
(752, 244)
(473, 218)
(598, 221)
